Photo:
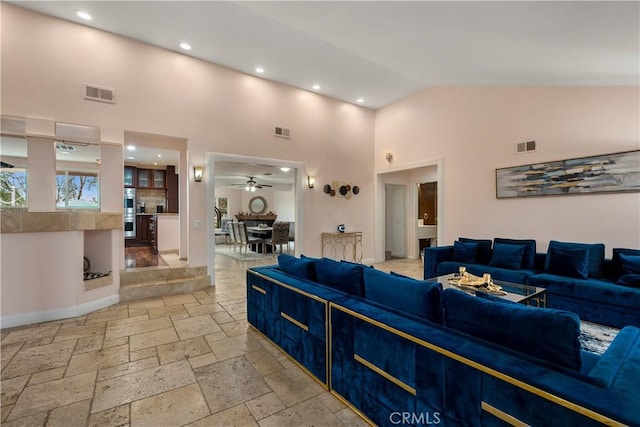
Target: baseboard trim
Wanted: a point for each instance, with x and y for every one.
(57, 313)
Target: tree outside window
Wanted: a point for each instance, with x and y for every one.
(13, 187)
(77, 190)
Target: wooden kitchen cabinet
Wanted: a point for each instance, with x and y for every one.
(147, 229)
(158, 179)
(172, 190)
(130, 176)
(144, 178)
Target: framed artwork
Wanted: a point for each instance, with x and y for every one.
(607, 173)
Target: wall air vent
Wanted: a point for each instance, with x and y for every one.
(100, 94)
(526, 147)
(65, 147)
(281, 132)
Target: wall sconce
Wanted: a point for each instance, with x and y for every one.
(311, 180)
(388, 156)
(197, 173)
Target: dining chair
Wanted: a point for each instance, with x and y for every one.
(234, 234)
(246, 239)
(279, 236)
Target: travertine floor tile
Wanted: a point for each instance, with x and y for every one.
(48, 375)
(299, 415)
(222, 317)
(87, 344)
(113, 417)
(35, 359)
(204, 309)
(265, 405)
(28, 421)
(182, 349)
(238, 327)
(115, 342)
(127, 368)
(143, 326)
(264, 362)
(92, 361)
(53, 394)
(202, 360)
(152, 339)
(143, 354)
(196, 326)
(171, 408)
(11, 389)
(229, 383)
(350, 418)
(4, 412)
(293, 386)
(172, 310)
(77, 332)
(139, 385)
(228, 348)
(331, 402)
(120, 313)
(238, 416)
(76, 414)
(28, 334)
(179, 299)
(9, 350)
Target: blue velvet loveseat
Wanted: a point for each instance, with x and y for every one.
(577, 277)
(402, 351)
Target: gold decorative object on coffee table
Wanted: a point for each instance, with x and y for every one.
(467, 279)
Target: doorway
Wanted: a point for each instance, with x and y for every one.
(395, 227)
(244, 162)
(409, 177)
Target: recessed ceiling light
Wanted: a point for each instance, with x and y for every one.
(131, 158)
(285, 169)
(131, 147)
(155, 163)
(84, 15)
(159, 155)
(316, 87)
(185, 46)
(259, 70)
(360, 100)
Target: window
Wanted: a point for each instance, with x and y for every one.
(77, 189)
(13, 187)
(13, 172)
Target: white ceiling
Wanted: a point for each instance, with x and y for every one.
(383, 51)
(229, 173)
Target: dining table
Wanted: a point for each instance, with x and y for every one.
(262, 232)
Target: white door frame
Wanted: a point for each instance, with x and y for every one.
(380, 219)
(212, 158)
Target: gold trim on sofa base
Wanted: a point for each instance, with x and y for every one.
(294, 321)
(509, 419)
(385, 374)
(489, 371)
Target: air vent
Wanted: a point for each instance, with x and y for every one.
(526, 147)
(100, 94)
(65, 147)
(281, 132)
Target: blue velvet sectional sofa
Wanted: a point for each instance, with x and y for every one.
(577, 277)
(403, 352)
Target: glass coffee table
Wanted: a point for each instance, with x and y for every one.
(514, 292)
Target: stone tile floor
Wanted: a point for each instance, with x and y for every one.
(180, 360)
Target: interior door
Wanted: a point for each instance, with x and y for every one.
(395, 215)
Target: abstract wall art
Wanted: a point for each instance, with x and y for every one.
(595, 174)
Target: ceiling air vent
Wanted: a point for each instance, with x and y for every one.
(281, 132)
(101, 94)
(65, 147)
(526, 147)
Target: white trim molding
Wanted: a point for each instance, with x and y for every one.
(57, 313)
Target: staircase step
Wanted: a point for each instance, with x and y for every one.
(146, 284)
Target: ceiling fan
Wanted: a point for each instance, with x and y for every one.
(251, 184)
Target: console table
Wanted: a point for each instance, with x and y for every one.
(343, 246)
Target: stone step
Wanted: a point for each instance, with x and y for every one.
(153, 283)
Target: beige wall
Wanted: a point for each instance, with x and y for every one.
(45, 61)
(474, 131)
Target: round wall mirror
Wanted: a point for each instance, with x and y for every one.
(257, 205)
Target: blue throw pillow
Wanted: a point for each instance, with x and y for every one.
(417, 297)
(616, 262)
(547, 334)
(568, 262)
(529, 257)
(343, 276)
(630, 264)
(507, 256)
(464, 252)
(305, 268)
(595, 260)
(484, 249)
(630, 280)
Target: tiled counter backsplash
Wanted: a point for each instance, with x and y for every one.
(151, 199)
